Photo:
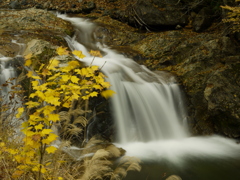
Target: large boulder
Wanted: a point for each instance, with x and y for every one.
(203, 20)
(209, 71)
(19, 27)
(153, 15)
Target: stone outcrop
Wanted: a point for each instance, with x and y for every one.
(153, 15)
(25, 25)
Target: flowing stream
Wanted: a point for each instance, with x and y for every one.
(151, 120)
(8, 80)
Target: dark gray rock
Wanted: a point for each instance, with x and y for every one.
(88, 7)
(153, 15)
(15, 5)
(203, 20)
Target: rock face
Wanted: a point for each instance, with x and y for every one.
(153, 15)
(203, 20)
(25, 25)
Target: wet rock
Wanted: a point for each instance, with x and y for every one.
(101, 121)
(174, 177)
(36, 47)
(25, 25)
(88, 7)
(115, 33)
(34, 19)
(203, 20)
(15, 5)
(153, 15)
(210, 77)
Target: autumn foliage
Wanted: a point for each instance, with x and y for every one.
(53, 86)
(233, 17)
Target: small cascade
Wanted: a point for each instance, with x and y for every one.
(146, 106)
(8, 76)
(150, 118)
(7, 72)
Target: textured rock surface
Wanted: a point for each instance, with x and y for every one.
(24, 25)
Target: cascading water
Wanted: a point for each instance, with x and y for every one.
(146, 106)
(149, 114)
(8, 77)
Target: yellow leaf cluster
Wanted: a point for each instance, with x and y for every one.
(95, 53)
(62, 51)
(79, 54)
(53, 87)
(107, 93)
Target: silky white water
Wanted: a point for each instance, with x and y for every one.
(8, 77)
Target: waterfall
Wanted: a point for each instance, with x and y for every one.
(8, 84)
(146, 106)
(150, 117)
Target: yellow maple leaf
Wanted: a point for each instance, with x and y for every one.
(31, 104)
(73, 64)
(29, 74)
(75, 96)
(51, 149)
(46, 72)
(107, 93)
(48, 109)
(42, 65)
(20, 111)
(93, 94)
(52, 137)
(40, 94)
(52, 100)
(97, 86)
(105, 84)
(62, 51)
(42, 87)
(34, 116)
(53, 64)
(13, 151)
(84, 72)
(67, 104)
(95, 53)
(94, 68)
(85, 97)
(78, 54)
(36, 77)
(54, 77)
(34, 83)
(39, 127)
(65, 78)
(36, 168)
(28, 62)
(53, 117)
(24, 124)
(46, 131)
(75, 79)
